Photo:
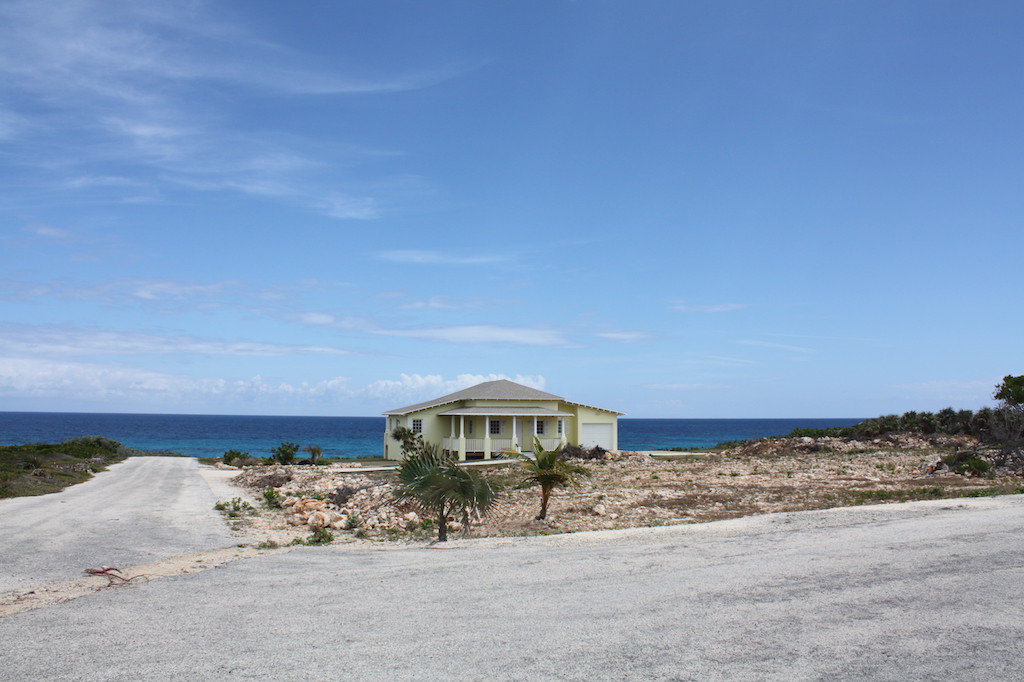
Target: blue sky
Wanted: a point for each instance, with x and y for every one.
(671, 209)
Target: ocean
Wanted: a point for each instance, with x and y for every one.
(340, 437)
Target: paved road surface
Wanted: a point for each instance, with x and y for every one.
(923, 591)
(138, 511)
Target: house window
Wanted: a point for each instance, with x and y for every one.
(469, 426)
(560, 428)
(495, 428)
(417, 426)
(540, 427)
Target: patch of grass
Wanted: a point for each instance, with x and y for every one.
(929, 493)
(320, 536)
(235, 508)
(993, 492)
(41, 468)
(273, 498)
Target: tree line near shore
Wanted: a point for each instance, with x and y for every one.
(1000, 425)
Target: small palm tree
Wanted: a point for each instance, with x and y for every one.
(316, 453)
(549, 471)
(441, 488)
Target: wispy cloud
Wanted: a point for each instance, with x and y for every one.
(686, 386)
(727, 360)
(437, 258)
(486, 333)
(443, 303)
(70, 342)
(154, 293)
(413, 388)
(343, 206)
(95, 383)
(56, 234)
(623, 336)
(468, 334)
(97, 91)
(776, 346)
(713, 308)
(87, 181)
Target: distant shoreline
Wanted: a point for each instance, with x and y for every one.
(342, 437)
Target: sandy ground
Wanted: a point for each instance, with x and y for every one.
(924, 591)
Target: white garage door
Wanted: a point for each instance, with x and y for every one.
(597, 434)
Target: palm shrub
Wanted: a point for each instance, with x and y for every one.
(316, 453)
(441, 488)
(548, 470)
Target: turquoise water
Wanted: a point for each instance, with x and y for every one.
(343, 437)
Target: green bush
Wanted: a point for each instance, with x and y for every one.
(234, 508)
(974, 466)
(273, 498)
(232, 456)
(320, 536)
(285, 452)
(967, 462)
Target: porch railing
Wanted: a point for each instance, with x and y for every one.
(478, 444)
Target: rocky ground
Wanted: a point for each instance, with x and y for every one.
(629, 490)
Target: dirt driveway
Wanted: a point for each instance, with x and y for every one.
(138, 511)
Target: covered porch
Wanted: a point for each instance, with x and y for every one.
(502, 428)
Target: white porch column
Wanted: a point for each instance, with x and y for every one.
(487, 437)
(462, 437)
(561, 431)
(515, 440)
(451, 439)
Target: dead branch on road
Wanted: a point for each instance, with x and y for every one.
(114, 575)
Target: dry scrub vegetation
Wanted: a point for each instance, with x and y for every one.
(631, 490)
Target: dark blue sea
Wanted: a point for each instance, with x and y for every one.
(340, 437)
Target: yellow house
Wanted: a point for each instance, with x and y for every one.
(481, 421)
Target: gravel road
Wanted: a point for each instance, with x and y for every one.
(922, 591)
(137, 511)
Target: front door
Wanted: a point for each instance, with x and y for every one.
(525, 445)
